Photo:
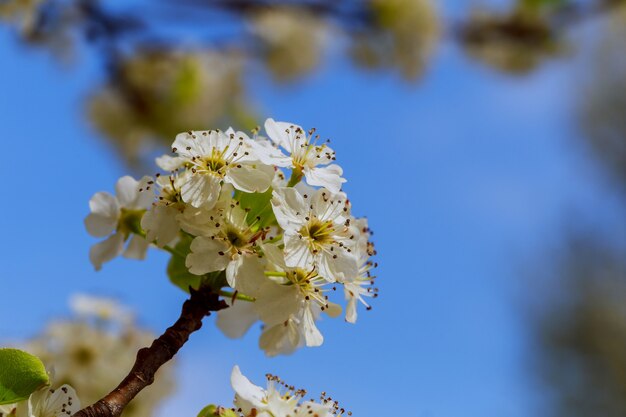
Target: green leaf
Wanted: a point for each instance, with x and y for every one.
(208, 411)
(215, 411)
(21, 374)
(259, 205)
(178, 273)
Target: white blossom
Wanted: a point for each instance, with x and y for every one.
(278, 400)
(161, 222)
(216, 157)
(304, 157)
(316, 231)
(101, 308)
(112, 216)
(288, 305)
(229, 242)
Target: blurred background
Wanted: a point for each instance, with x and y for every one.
(484, 140)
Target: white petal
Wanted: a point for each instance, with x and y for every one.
(105, 212)
(297, 252)
(312, 335)
(310, 408)
(145, 194)
(105, 205)
(201, 190)
(276, 303)
(330, 206)
(126, 190)
(333, 310)
(328, 177)
(274, 255)
(161, 225)
(281, 133)
(205, 256)
(106, 250)
(235, 320)
(250, 275)
(280, 339)
(351, 312)
(169, 163)
(289, 208)
(250, 177)
(137, 248)
(58, 403)
(196, 143)
(338, 265)
(247, 394)
(265, 152)
(232, 271)
(100, 226)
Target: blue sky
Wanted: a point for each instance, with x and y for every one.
(465, 177)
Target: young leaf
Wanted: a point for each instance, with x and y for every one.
(214, 411)
(21, 374)
(259, 205)
(177, 271)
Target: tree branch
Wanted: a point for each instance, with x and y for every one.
(150, 359)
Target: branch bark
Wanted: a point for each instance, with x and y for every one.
(150, 359)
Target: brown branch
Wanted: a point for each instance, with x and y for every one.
(150, 359)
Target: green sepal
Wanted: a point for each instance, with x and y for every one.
(259, 205)
(21, 374)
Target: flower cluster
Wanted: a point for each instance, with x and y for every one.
(230, 218)
(278, 400)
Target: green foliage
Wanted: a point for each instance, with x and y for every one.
(215, 411)
(180, 276)
(21, 374)
(259, 205)
(177, 272)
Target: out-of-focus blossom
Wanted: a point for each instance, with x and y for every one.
(516, 42)
(291, 40)
(403, 35)
(154, 95)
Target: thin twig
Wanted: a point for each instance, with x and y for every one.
(150, 359)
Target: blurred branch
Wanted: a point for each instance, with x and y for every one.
(150, 359)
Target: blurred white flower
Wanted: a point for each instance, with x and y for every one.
(88, 306)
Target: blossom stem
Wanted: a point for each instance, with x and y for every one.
(173, 251)
(275, 274)
(149, 359)
(296, 176)
(236, 295)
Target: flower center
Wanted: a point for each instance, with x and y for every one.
(319, 232)
(235, 238)
(215, 162)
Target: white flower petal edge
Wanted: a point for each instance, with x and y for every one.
(278, 400)
(247, 395)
